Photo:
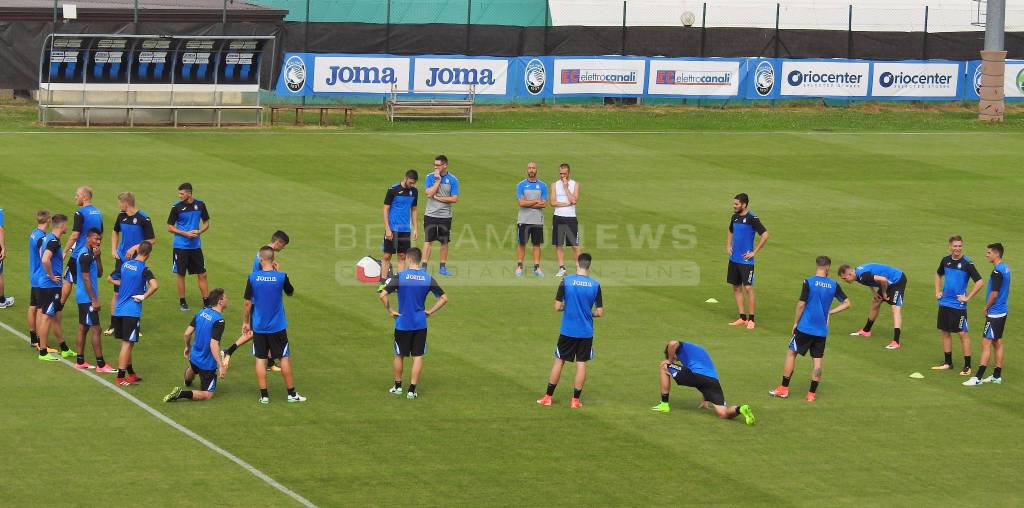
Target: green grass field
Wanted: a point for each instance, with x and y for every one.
(875, 187)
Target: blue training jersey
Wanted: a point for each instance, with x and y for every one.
(51, 243)
(743, 229)
(35, 238)
(580, 294)
(266, 290)
(86, 218)
(817, 293)
(401, 201)
(188, 217)
(865, 274)
(999, 281)
(86, 267)
(696, 359)
(208, 325)
(135, 277)
(133, 230)
(412, 287)
(955, 274)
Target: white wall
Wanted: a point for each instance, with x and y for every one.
(868, 15)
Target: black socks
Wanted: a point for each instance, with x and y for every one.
(231, 349)
(896, 335)
(576, 392)
(551, 389)
(814, 386)
(967, 362)
(868, 325)
(264, 393)
(664, 398)
(743, 317)
(981, 371)
(948, 358)
(398, 384)
(997, 372)
(785, 381)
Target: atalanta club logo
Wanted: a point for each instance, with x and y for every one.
(977, 80)
(764, 78)
(535, 76)
(295, 73)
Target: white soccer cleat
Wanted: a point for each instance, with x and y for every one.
(296, 398)
(8, 302)
(972, 382)
(396, 390)
(264, 400)
(993, 379)
(411, 395)
(560, 273)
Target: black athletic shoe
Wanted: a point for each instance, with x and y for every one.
(184, 307)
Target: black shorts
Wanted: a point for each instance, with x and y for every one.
(565, 231)
(188, 261)
(48, 300)
(115, 274)
(33, 297)
(994, 327)
(270, 345)
(87, 315)
(571, 349)
(411, 342)
(802, 343)
(532, 233)
(709, 387)
(952, 320)
(894, 294)
(399, 244)
(437, 229)
(207, 378)
(740, 274)
(71, 274)
(126, 328)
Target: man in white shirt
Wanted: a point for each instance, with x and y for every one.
(565, 193)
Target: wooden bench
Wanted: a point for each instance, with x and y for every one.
(130, 109)
(403, 104)
(301, 109)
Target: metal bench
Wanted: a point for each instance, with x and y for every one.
(86, 108)
(404, 104)
(300, 110)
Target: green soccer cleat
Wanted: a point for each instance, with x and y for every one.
(70, 353)
(748, 415)
(173, 396)
(662, 407)
(48, 357)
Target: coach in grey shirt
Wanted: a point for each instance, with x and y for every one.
(532, 195)
(442, 189)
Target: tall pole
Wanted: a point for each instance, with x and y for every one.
(224, 13)
(993, 64)
(387, 28)
(623, 27)
(778, 9)
(995, 25)
(924, 43)
(703, 26)
(849, 32)
(135, 12)
(469, 23)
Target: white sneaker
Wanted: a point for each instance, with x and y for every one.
(560, 273)
(971, 382)
(993, 380)
(296, 398)
(8, 302)
(397, 390)
(411, 395)
(264, 400)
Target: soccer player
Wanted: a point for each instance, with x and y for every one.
(565, 229)
(579, 297)
(207, 328)
(951, 292)
(49, 306)
(278, 241)
(810, 326)
(996, 308)
(87, 218)
(412, 285)
(35, 239)
(442, 190)
(890, 284)
(695, 369)
(5, 301)
(87, 296)
(739, 245)
(188, 220)
(135, 285)
(399, 214)
(132, 227)
(264, 318)
(532, 196)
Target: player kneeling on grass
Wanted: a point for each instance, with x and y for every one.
(207, 328)
(264, 318)
(695, 369)
(412, 284)
(135, 285)
(810, 327)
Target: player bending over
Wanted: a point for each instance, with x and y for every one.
(890, 284)
(207, 328)
(696, 370)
